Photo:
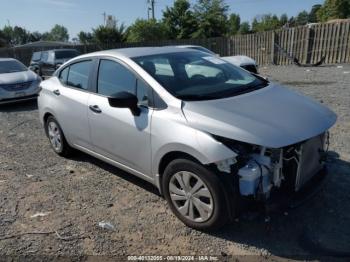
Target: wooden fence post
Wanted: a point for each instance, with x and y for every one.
(307, 55)
(273, 35)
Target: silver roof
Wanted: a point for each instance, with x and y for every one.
(139, 51)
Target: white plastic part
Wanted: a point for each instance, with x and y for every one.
(254, 172)
(225, 165)
(277, 171)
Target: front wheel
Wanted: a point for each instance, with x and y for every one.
(195, 194)
(57, 140)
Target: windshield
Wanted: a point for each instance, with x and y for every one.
(11, 66)
(66, 54)
(199, 76)
(36, 56)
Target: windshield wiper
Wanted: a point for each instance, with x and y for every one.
(248, 88)
(196, 97)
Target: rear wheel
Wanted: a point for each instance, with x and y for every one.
(56, 137)
(195, 194)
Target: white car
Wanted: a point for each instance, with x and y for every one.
(243, 61)
(17, 82)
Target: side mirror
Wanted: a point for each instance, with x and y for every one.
(125, 100)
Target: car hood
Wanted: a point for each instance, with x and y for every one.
(17, 77)
(272, 116)
(239, 60)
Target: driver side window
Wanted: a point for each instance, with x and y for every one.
(114, 78)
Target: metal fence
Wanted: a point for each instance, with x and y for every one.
(308, 44)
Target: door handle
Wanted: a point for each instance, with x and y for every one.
(56, 92)
(95, 109)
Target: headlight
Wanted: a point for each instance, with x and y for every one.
(36, 82)
(238, 147)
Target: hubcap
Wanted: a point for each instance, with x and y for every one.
(55, 136)
(191, 196)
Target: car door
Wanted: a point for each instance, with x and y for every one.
(115, 132)
(71, 102)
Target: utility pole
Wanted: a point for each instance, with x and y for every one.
(150, 7)
(104, 18)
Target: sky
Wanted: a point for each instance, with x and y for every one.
(83, 15)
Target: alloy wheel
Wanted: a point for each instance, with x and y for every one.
(55, 136)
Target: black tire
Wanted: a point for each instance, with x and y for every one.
(65, 149)
(219, 215)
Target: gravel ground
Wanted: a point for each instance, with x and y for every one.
(71, 196)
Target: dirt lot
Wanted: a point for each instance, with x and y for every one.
(74, 195)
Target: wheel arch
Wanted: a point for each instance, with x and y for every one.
(44, 118)
(166, 159)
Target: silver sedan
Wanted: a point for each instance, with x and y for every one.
(17, 82)
(206, 133)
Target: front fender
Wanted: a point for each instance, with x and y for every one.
(176, 136)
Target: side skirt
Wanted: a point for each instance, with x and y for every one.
(117, 164)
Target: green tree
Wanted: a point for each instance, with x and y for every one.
(244, 28)
(179, 20)
(313, 13)
(291, 21)
(146, 30)
(35, 36)
(334, 9)
(85, 37)
(13, 36)
(265, 23)
(7, 32)
(109, 36)
(211, 16)
(302, 18)
(20, 36)
(3, 42)
(283, 19)
(234, 23)
(45, 36)
(57, 33)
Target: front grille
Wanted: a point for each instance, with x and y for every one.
(302, 161)
(16, 87)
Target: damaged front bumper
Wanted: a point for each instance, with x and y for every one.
(263, 172)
